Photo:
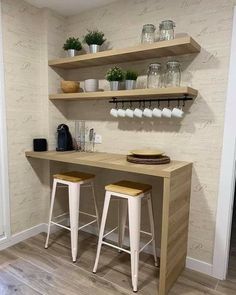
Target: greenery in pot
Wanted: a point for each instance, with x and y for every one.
(94, 37)
(115, 74)
(72, 43)
(131, 75)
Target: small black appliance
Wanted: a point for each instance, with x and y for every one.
(64, 138)
(40, 144)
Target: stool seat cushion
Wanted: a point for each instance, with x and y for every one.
(73, 176)
(128, 188)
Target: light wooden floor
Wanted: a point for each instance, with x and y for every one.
(27, 268)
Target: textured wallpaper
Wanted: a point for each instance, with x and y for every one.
(31, 36)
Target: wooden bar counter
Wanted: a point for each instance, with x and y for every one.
(176, 199)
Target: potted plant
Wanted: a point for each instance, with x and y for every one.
(94, 39)
(72, 46)
(115, 75)
(130, 79)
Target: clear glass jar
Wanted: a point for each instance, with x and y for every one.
(167, 30)
(173, 74)
(154, 76)
(148, 34)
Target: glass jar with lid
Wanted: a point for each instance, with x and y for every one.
(173, 74)
(148, 34)
(154, 76)
(167, 30)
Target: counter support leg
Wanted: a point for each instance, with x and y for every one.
(175, 220)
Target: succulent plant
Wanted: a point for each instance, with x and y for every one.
(115, 74)
(94, 37)
(131, 75)
(72, 43)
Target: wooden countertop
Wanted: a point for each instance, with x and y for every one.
(110, 161)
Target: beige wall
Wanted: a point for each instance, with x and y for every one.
(31, 36)
(198, 137)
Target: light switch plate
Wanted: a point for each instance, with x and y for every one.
(98, 138)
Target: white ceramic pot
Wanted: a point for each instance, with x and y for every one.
(71, 52)
(94, 48)
(130, 84)
(114, 85)
(91, 85)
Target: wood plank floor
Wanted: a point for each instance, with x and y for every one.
(27, 268)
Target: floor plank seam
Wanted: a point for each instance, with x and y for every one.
(76, 267)
(24, 282)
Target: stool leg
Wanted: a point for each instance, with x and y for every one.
(134, 232)
(151, 218)
(74, 200)
(102, 228)
(123, 204)
(95, 205)
(54, 187)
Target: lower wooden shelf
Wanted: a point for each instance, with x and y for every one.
(159, 93)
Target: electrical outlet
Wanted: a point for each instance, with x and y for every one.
(98, 138)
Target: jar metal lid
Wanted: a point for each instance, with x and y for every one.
(173, 63)
(151, 26)
(155, 65)
(167, 24)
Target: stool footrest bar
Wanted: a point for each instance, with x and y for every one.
(116, 247)
(84, 213)
(110, 232)
(87, 224)
(145, 245)
(60, 225)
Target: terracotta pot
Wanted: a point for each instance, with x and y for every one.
(69, 86)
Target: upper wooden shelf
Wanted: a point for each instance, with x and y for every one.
(178, 46)
(136, 93)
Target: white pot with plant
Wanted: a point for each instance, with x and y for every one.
(72, 46)
(130, 79)
(115, 75)
(94, 39)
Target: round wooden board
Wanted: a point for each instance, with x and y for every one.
(147, 152)
(148, 161)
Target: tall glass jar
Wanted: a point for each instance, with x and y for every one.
(148, 34)
(167, 30)
(173, 74)
(154, 76)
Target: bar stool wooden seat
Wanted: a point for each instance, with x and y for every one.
(74, 180)
(130, 195)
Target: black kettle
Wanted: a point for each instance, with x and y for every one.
(64, 138)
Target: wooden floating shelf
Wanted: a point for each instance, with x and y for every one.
(136, 93)
(178, 46)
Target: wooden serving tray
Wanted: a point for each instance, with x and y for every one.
(148, 160)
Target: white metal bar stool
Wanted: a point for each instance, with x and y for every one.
(132, 193)
(74, 180)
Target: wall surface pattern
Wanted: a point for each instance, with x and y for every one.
(198, 137)
(31, 36)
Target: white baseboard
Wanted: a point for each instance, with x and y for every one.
(26, 234)
(191, 263)
(21, 236)
(199, 266)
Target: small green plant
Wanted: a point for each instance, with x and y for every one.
(94, 37)
(131, 75)
(115, 74)
(72, 43)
